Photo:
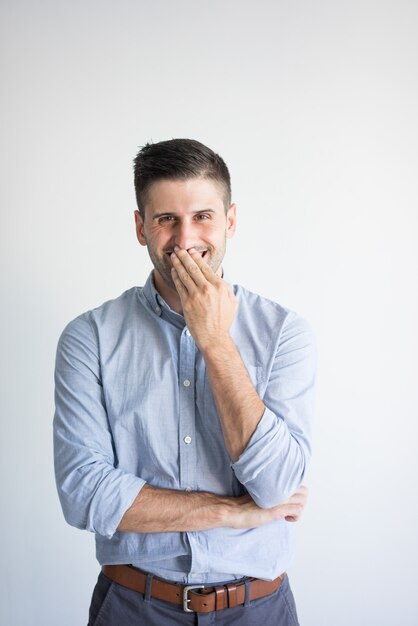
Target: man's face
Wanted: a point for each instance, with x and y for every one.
(189, 214)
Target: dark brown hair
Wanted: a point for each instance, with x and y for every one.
(178, 159)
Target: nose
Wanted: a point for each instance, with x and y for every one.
(185, 235)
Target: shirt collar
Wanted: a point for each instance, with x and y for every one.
(159, 306)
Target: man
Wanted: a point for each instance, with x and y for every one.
(183, 416)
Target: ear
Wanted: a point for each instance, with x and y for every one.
(140, 228)
(231, 221)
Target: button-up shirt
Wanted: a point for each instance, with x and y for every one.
(134, 405)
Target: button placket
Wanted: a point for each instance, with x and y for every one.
(187, 448)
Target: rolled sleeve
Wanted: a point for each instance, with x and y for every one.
(94, 493)
(273, 464)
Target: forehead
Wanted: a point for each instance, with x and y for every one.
(192, 194)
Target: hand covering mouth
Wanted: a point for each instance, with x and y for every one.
(201, 252)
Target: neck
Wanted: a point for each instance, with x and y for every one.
(169, 294)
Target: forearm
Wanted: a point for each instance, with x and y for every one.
(238, 403)
(164, 510)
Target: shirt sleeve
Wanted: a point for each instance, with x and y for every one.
(94, 494)
(273, 464)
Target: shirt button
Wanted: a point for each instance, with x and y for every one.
(187, 439)
(186, 382)
(188, 333)
(188, 489)
(157, 310)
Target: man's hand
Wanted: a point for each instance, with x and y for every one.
(300, 497)
(246, 514)
(209, 304)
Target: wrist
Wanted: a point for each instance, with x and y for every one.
(218, 508)
(220, 345)
(222, 512)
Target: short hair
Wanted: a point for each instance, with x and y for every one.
(178, 159)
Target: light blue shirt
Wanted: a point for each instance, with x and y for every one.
(134, 406)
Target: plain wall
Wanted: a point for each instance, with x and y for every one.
(313, 105)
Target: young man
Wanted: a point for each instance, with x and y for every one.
(183, 418)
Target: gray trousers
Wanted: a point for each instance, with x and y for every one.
(115, 605)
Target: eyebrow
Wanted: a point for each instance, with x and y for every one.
(164, 213)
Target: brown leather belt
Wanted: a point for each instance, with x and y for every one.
(193, 598)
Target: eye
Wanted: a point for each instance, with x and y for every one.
(202, 217)
(165, 218)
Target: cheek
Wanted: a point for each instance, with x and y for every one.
(213, 232)
(156, 239)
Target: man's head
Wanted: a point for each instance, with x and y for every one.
(183, 193)
(178, 159)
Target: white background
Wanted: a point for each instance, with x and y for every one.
(314, 107)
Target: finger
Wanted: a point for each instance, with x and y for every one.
(301, 494)
(182, 274)
(181, 289)
(298, 498)
(206, 270)
(189, 264)
(302, 489)
(290, 510)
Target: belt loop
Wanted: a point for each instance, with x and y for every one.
(148, 585)
(247, 592)
(232, 595)
(219, 597)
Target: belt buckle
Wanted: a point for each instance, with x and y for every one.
(186, 599)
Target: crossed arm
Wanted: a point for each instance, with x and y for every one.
(209, 307)
(164, 510)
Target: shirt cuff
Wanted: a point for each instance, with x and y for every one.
(118, 493)
(261, 448)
